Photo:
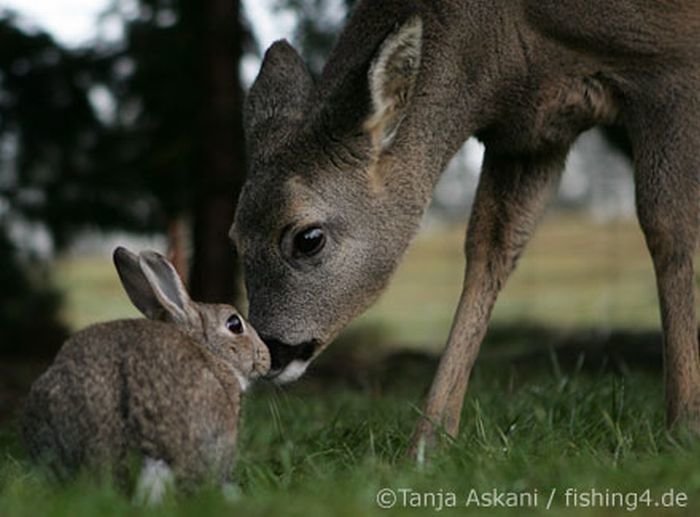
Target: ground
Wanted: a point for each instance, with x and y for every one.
(565, 403)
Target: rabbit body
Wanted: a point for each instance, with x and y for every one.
(166, 389)
(148, 389)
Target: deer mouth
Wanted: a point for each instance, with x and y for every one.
(284, 356)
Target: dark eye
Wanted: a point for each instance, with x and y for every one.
(234, 324)
(309, 241)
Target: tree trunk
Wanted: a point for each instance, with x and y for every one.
(177, 246)
(219, 172)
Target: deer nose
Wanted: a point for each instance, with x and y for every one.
(281, 354)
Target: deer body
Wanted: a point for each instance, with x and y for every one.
(342, 170)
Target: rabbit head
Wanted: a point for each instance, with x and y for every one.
(156, 290)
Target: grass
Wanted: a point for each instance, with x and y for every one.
(575, 273)
(330, 443)
(306, 451)
(93, 292)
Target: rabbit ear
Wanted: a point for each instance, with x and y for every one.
(167, 288)
(136, 284)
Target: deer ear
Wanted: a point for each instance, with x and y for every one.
(278, 98)
(392, 78)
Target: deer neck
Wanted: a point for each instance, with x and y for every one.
(445, 109)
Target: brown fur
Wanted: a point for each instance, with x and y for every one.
(99, 414)
(526, 77)
(165, 390)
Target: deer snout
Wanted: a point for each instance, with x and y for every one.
(282, 355)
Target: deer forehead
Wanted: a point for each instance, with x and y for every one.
(293, 200)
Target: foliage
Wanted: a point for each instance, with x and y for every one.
(176, 85)
(55, 153)
(47, 174)
(28, 306)
(318, 24)
(151, 78)
(136, 136)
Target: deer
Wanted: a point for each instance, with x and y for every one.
(342, 166)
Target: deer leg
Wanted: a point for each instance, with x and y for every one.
(510, 198)
(667, 182)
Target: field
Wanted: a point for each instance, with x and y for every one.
(565, 403)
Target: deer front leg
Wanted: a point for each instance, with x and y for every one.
(510, 198)
(667, 185)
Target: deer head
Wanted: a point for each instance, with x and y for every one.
(319, 225)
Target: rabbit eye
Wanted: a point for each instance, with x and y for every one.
(234, 324)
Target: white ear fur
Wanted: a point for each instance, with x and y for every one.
(167, 287)
(392, 78)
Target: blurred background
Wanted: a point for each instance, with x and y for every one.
(120, 123)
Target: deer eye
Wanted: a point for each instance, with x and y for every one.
(309, 241)
(235, 324)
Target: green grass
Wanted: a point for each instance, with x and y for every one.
(327, 445)
(307, 451)
(93, 292)
(574, 274)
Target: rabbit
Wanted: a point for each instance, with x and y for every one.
(166, 389)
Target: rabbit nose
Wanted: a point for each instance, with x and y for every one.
(262, 360)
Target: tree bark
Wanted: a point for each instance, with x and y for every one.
(177, 247)
(219, 172)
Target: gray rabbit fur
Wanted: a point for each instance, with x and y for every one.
(166, 389)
